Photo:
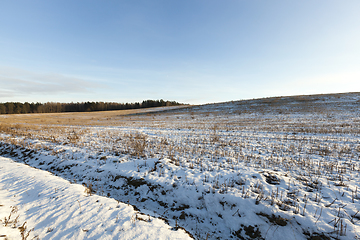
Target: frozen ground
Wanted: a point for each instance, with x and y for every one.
(275, 168)
(50, 207)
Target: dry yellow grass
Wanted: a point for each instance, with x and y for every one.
(104, 118)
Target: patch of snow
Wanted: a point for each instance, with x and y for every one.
(56, 209)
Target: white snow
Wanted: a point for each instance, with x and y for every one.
(56, 209)
(273, 168)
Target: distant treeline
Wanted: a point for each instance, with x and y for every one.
(53, 107)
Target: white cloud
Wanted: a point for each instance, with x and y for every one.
(19, 82)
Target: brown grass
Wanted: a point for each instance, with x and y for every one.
(104, 118)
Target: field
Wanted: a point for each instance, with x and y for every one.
(272, 168)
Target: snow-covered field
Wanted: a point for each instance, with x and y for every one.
(49, 207)
(276, 168)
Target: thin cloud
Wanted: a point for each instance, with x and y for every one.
(18, 82)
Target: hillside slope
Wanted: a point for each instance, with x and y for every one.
(275, 168)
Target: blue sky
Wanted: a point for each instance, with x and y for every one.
(188, 51)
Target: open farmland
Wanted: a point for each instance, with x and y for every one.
(272, 168)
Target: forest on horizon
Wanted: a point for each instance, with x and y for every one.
(56, 107)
